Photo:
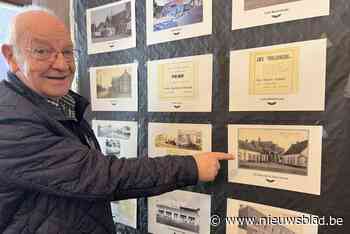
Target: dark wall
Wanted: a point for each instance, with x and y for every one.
(335, 190)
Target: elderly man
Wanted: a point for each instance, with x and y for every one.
(53, 177)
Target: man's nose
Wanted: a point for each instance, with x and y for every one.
(60, 63)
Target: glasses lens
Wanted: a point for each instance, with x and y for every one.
(70, 55)
(42, 53)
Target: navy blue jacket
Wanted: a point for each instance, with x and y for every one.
(51, 182)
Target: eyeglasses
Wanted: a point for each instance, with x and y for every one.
(50, 54)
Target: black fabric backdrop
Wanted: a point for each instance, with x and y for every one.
(335, 189)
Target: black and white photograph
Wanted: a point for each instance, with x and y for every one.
(111, 27)
(277, 150)
(112, 147)
(169, 20)
(110, 131)
(250, 212)
(117, 138)
(179, 212)
(276, 156)
(111, 23)
(114, 88)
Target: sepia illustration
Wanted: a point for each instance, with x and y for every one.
(180, 84)
(178, 139)
(254, 4)
(248, 212)
(114, 88)
(125, 212)
(169, 20)
(274, 71)
(116, 138)
(183, 139)
(113, 82)
(277, 150)
(170, 13)
(112, 23)
(276, 156)
(177, 80)
(179, 212)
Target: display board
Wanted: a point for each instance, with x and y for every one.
(313, 43)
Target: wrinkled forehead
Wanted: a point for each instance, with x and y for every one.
(40, 27)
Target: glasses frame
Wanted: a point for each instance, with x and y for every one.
(52, 54)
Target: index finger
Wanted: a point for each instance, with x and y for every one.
(223, 156)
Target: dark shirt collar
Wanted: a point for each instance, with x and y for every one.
(70, 107)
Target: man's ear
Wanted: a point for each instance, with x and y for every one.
(7, 51)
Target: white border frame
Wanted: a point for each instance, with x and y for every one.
(312, 73)
(311, 183)
(276, 13)
(202, 102)
(114, 45)
(181, 32)
(115, 104)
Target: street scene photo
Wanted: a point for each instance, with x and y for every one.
(173, 13)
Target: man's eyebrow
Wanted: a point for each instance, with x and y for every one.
(41, 42)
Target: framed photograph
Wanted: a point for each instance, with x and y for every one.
(169, 20)
(277, 156)
(179, 212)
(278, 78)
(125, 212)
(116, 138)
(114, 88)
(180, 84)
(258, 218)
(111, 27)
(119, 139)
(250, 13)
(178, 139)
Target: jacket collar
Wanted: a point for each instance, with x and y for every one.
(55, 112)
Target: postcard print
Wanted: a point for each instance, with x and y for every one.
(179, 212)
(111, 27)
(277, 156)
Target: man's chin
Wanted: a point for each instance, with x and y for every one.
(57, 93)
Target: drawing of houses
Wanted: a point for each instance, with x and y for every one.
(258, 151)
(254, 228)
(296, 155)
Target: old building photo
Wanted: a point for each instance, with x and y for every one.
(179, 212)
(113, 84)
(112, 23)
(183, 139)
(284, 151)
